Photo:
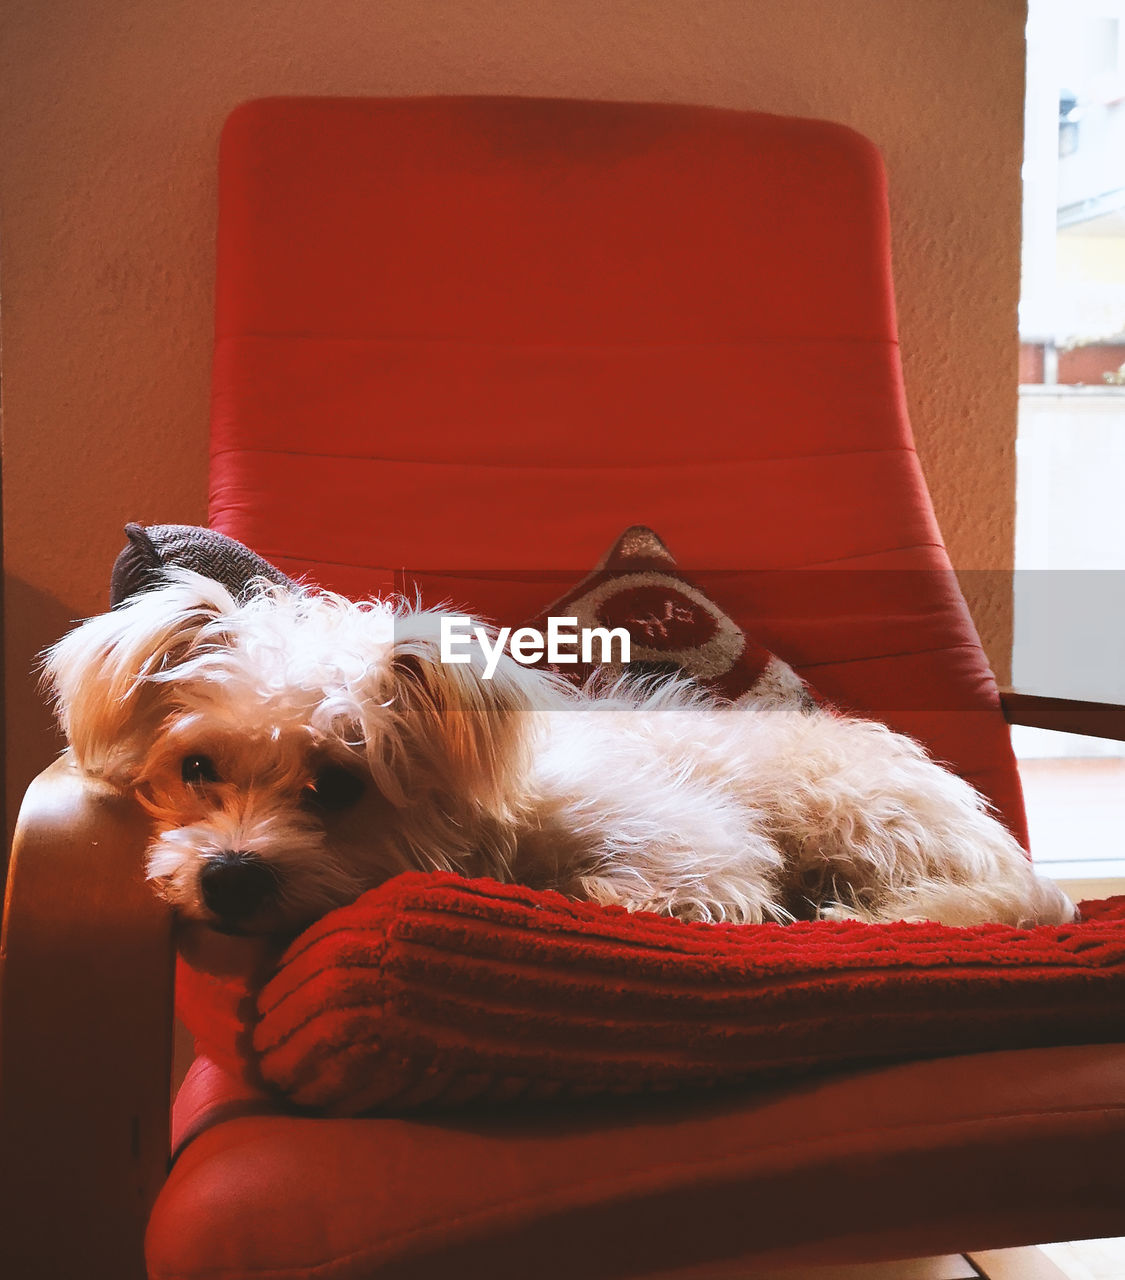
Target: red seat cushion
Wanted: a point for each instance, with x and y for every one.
(464, 342)
(958, 1153)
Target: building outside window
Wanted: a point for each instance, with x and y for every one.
(1070, 513)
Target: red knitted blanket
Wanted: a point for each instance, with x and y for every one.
(435, 990)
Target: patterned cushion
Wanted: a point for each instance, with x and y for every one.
(151, 550)
(674, 626)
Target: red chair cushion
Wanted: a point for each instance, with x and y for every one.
(972, 1152)
(434, 989)
(463, 342)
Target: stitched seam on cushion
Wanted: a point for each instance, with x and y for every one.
(461, 575)
(470, 576)
(882, 657)
(882, 551)
(679, 465)
(338, 564)
(511, 344)
(636, 1182)
(531, 578)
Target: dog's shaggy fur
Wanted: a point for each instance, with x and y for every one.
(297, 749)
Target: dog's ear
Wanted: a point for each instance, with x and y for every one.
(468, 734)
(104, 674)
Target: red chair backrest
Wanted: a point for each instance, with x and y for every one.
(464, 342)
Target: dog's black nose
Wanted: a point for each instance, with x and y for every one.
(234, 885)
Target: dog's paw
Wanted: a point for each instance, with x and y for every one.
(834, 911)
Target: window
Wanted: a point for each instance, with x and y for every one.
(1070, 501)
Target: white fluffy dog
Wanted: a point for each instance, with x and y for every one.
(298, 748)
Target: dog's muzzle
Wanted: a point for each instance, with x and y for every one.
(234, 886)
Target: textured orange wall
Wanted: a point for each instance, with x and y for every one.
(111, 114)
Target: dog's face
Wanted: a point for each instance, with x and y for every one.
(293, 750)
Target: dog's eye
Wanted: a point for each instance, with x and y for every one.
(198, 769)
(334, 788)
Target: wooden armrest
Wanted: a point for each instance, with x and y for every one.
(1067, 715)
(86, 978)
